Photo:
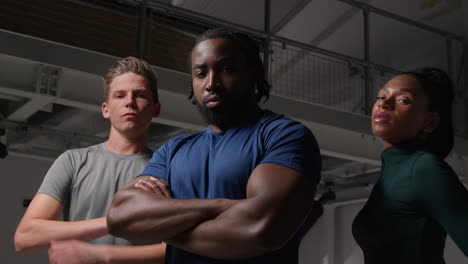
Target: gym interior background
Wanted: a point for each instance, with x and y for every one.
(325, 58)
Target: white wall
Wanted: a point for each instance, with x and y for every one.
(330, 240)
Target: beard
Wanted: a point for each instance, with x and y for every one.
(231, 113)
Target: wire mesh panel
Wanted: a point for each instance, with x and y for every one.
(310, 77)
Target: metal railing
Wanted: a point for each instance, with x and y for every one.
(306, 72)
(315, 78)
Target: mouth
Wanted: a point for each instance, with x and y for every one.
(129, 115)
(381, 117)
(212, 100)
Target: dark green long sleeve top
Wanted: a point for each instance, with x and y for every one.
(417, 200)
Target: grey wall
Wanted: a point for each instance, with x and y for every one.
(20, 178)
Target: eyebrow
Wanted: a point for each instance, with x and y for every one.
(218, 61)
(404, 90)
(139, 89)
(199, 66)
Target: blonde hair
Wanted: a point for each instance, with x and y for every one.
(137, 66)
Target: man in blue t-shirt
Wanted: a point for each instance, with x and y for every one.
(239, 190)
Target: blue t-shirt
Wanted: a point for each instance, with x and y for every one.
(210, 165)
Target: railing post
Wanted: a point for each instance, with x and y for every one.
(267, 40)
(141, 29)
(448, 43)
(367, 80)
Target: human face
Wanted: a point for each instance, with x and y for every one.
(130, 106)
(222, 84)
(220, 75)
(401, 111)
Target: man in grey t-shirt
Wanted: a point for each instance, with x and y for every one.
(82, 182)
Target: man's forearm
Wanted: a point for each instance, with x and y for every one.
(35, 234)
(142, 217)
(238, 233)
(151, 254)
(67, 251)
(278, 201)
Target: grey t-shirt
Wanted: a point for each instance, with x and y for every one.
(85, 181)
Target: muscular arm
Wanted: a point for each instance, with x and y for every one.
(278, 200)
(146, 217)
(39, 225)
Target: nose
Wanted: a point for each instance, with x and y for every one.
(386, 103)
(213, 82)
(130, 101)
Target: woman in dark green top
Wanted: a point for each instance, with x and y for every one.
(418, 198)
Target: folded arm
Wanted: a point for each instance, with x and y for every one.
(40, 231)
(278, 200)
(39, 225)
(146, 217)
(65, 252)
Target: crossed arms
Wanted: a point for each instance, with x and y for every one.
(40, 230)
(277, 203)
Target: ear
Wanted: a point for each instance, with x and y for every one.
(157, 110)
(432, 122)
(105, 110)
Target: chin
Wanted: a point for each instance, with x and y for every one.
(378, 132)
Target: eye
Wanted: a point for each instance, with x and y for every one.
(404, 100)
(379, 98)
(199, 74)
(141, 95)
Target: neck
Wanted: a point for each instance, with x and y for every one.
(248, 116)
(387, 144)
(411, 141)
(122, 144)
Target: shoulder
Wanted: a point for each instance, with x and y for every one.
(276, 123)
(273, 119)
(279, 129)
(435, 186)
(185, 138)
(423, 161)
(427, 167)
(176, 142)
(79, 155)
(82, 151)
(291, 144)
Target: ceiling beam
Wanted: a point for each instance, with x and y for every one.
(30, 107)
(336, 24)
(322, 36)
(289, 16)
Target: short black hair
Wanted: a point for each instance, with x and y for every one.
(440, 89)
(249, 48)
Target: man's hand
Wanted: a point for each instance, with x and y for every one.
(154, 185)
(75, 252)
